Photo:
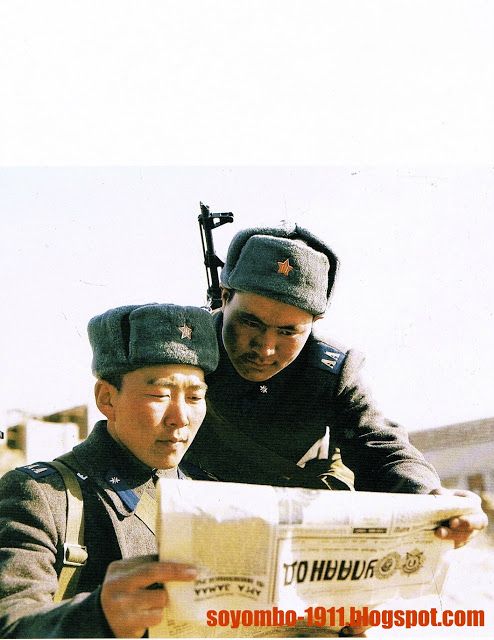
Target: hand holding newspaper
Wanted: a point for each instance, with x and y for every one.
(259, 547)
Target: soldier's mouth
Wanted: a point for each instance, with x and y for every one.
(261, 366)
(172, 444)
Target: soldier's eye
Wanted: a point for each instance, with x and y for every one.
(286, 332)
(250, 323)
(196, 398)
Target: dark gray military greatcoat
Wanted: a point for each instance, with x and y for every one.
(257, 431)
(32, 530)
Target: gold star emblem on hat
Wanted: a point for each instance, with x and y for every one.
(284, 267)
(186, 332)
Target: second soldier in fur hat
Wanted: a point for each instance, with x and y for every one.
(285, 400)
(150, 361)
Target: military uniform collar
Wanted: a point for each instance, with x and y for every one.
(116, 470)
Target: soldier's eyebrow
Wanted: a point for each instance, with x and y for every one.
(289, 327)
(172, 382)
(245, 315)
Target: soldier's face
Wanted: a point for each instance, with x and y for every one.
(262, 336)
(157, 412)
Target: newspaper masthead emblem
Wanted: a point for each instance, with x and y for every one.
(413, 561)
(387, 565)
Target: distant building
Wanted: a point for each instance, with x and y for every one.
(33, 438)
(77, 415)
(462, 453)
(42, 440)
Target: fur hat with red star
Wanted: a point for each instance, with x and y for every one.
(287, 263)
(135, 336)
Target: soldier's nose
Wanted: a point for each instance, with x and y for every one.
(176, 415)
(265, 348)
(266, 351)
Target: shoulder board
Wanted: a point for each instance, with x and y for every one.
(323, 356)
(37, 470)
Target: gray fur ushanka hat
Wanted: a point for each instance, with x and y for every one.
(135, 336)
(286, 263)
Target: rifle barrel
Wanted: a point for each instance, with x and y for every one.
(207, 222)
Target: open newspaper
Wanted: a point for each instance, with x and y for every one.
(263, 550)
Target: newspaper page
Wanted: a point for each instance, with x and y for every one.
(266, 550)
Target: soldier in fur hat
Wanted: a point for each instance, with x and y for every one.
(285, 400)
(150, 363)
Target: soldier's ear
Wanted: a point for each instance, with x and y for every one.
(226, 296)
(320, 316)
(104, 392)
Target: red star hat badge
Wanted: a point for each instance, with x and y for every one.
(285, 267)
(186, 332)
